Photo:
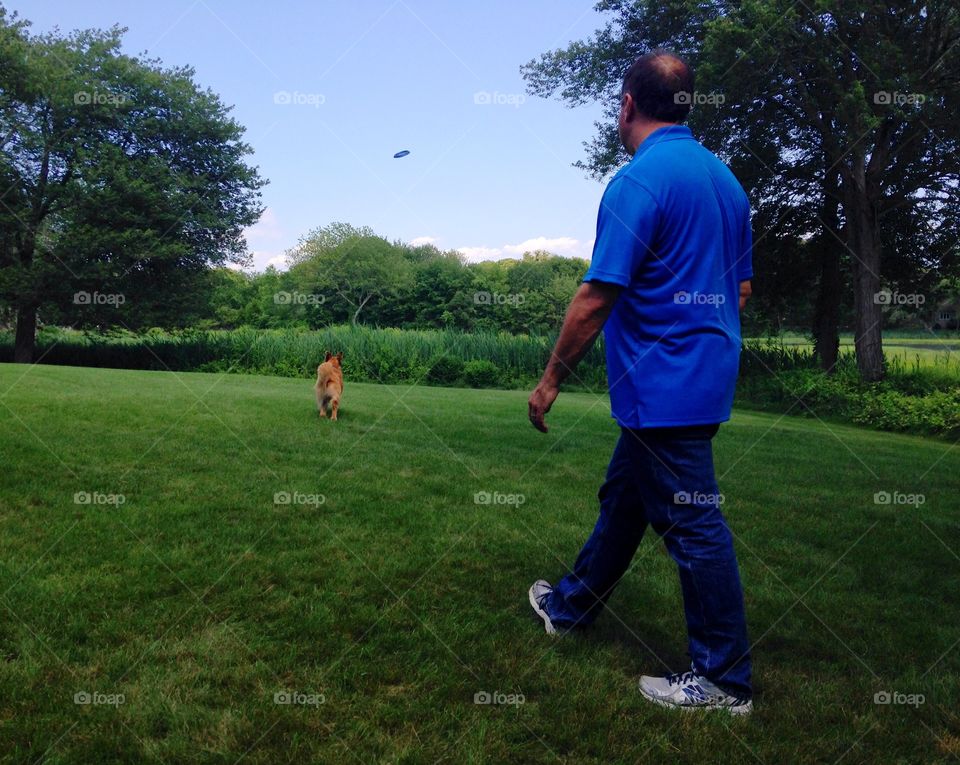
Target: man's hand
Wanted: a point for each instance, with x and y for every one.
(586, 315)
(539, 404)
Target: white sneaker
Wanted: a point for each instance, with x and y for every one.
(539, 593)
(688, 691)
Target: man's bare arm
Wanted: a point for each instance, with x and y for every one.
(586, 315)
(745, 291)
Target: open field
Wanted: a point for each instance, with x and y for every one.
(940, 350)
(148, 559)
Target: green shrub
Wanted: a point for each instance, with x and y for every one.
(936, 413)
(481, 373)
(445, 370)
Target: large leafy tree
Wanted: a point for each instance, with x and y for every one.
(327, 238)
(868, 89)
(432, 298)
(122, 181)
(840, 118)
(357, 271)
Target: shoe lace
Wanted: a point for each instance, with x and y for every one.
(680, 678)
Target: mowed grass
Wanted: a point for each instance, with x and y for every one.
(905, 353)
(396, 600)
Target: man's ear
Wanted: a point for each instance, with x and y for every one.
(328, 356)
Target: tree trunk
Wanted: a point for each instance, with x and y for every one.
(356, 314)
(826, 320)
(826, 317)
(26, 337)
(863, 238)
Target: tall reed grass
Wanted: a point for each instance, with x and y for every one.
(374, 355)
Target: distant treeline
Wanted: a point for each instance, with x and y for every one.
(367, 280)
(341, 274)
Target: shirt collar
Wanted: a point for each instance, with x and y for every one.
(669, 133)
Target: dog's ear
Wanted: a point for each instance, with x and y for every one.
(328, 356)
(340, 356)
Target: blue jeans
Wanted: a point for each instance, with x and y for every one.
(668, 482)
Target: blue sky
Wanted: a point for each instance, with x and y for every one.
(329, 91)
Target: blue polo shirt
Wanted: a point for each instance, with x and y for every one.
(674, 231)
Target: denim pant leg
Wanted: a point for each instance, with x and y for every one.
(682, 500)
(579, 597)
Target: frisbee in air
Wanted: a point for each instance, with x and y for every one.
(403, 153)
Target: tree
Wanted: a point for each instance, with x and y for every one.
(358, 270)
(230, 297)
(427, 302)
(327, 238)
(123, 180)
(545, 284)
(841, 120)
(871, 88)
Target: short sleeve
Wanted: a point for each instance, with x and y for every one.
(626, 229)
(745, 253)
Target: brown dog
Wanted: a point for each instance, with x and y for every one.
(329, 385)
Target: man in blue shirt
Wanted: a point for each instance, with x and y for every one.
(670, 272)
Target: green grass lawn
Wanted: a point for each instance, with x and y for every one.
(918, 352)
(385, 597)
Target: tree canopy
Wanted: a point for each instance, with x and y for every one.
(121, 177)
(840, 119)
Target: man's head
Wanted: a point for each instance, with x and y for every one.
(657, 91)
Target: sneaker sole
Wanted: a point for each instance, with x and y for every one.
(548, 626)
(738, 711)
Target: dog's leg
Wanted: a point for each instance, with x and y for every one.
(318, 392)
(321, 404)
(334, 406)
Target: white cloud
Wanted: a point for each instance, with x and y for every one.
(267, 230)
(561, 245)
(264, 258)
(422, 240)
(476, 254)
(265, 240)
